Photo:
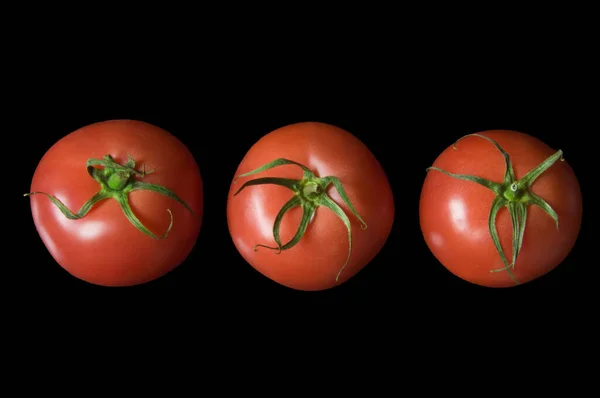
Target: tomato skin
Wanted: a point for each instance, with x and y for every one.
(315, 261)
(103, 247)
(454, 213)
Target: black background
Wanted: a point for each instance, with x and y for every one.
(406, 108)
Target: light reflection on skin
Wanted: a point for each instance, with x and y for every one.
(91, 230)
(86, 230)
(460, 221)
(458, 214)
(257, 199)
(437, 239)
(243, 247)
(314, 163)
(50, 244)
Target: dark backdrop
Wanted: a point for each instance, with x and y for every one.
(405, 112)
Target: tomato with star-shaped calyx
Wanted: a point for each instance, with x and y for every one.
(138, 192)
(500, 208)
(310, 206)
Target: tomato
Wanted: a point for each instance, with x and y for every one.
(335, 205)
(516, 221)
(144, 182)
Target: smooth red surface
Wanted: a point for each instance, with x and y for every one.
(103, 247)
(454, 214)
(314, 262)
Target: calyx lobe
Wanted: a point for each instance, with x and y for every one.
(310, 192)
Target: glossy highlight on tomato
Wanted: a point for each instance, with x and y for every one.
(118, 203)
(310, 206)
(500, 208)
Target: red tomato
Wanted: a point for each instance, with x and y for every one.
(316, 259)
(104, 247)
(539, 209)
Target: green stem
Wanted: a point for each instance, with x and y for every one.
(116, 182)
(310, 192)
(513, 194)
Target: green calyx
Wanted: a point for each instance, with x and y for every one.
(516, 196)
(310, 192)
(116, 182)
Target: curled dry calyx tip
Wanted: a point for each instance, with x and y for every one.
(310, 192)
(513, 194)
(116, 182)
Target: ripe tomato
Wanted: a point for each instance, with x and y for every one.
(119, 241)
(336, 194)
(529, 199)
